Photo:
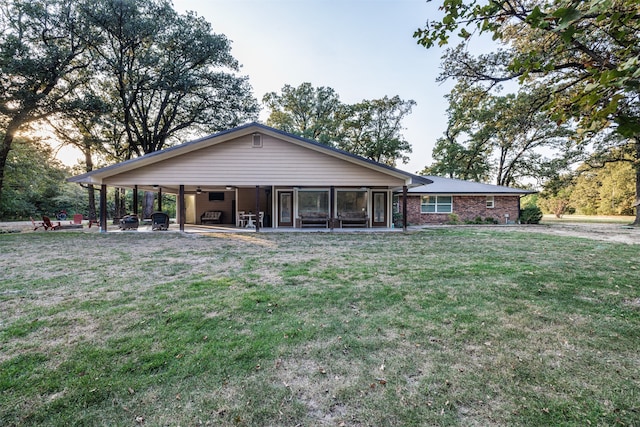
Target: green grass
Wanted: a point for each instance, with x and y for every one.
(442, 327)
(588, 219)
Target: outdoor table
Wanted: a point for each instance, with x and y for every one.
(250, 223)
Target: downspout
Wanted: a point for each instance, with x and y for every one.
(160, 199)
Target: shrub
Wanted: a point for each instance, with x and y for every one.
(530, 214)
(397, 219)
(453, 219)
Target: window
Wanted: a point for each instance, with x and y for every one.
(436, 204)
(490, 202)
(351, 201)
(216, 197)
(313, 201)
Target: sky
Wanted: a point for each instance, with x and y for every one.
(363, 49)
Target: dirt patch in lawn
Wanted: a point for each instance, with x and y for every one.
(605, 232)
(616, 233)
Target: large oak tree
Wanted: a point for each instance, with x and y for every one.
(585, 52)
(370, 128)
(43, 54)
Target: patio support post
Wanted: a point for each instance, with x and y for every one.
(160, 199)
(135, 200)
(332, 211)
(257, 208)
(182, 210)
(103, 208)
(404, 208)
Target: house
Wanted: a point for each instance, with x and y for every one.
(263, 173)
(468, 201)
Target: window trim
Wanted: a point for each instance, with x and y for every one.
(437, 204)
(491, 202)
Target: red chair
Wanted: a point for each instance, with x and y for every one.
(46, 221)
(36, 226)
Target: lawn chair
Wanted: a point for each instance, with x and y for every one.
(36, 226)
(159, 221)
(46, 221)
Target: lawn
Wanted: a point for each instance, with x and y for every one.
(449, 326)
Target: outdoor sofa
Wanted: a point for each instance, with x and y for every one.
(314, 219)
(212, 217)
(353, 219)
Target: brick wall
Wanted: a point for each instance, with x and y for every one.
(467, 208)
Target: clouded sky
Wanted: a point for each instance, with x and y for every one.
(363, 49)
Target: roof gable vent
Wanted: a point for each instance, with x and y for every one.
(256, 142)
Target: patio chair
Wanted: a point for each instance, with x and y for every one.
(46, 221)
(159, 221)
(36, 226)
(241, 221)
(129, 222)
(261, 219)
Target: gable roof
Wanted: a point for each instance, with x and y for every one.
(442, 185)
(106, 174)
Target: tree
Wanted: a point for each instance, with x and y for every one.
(42, 55)
(497, 136)
(371, 128)
(584, 51)
(84, 125)
(313, 113)
(33, 180)
(166, 75)
(167, 72)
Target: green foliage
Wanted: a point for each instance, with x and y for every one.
(371, 128)
(34, 183)
(479, 220)
(453, 219)
(117, 79)
(313, 113)
(530, 214)
(177, 74)
(585, 54)
(398, 219)
(600, 186)
(500, 137)
(42, 59)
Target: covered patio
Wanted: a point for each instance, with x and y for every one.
(257, 178)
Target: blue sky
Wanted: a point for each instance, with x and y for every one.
(363, 49)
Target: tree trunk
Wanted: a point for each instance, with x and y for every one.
(637, 168)
(4, 154)
(5, 147)
(91, 191)
(92, 212)
(147, 205)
